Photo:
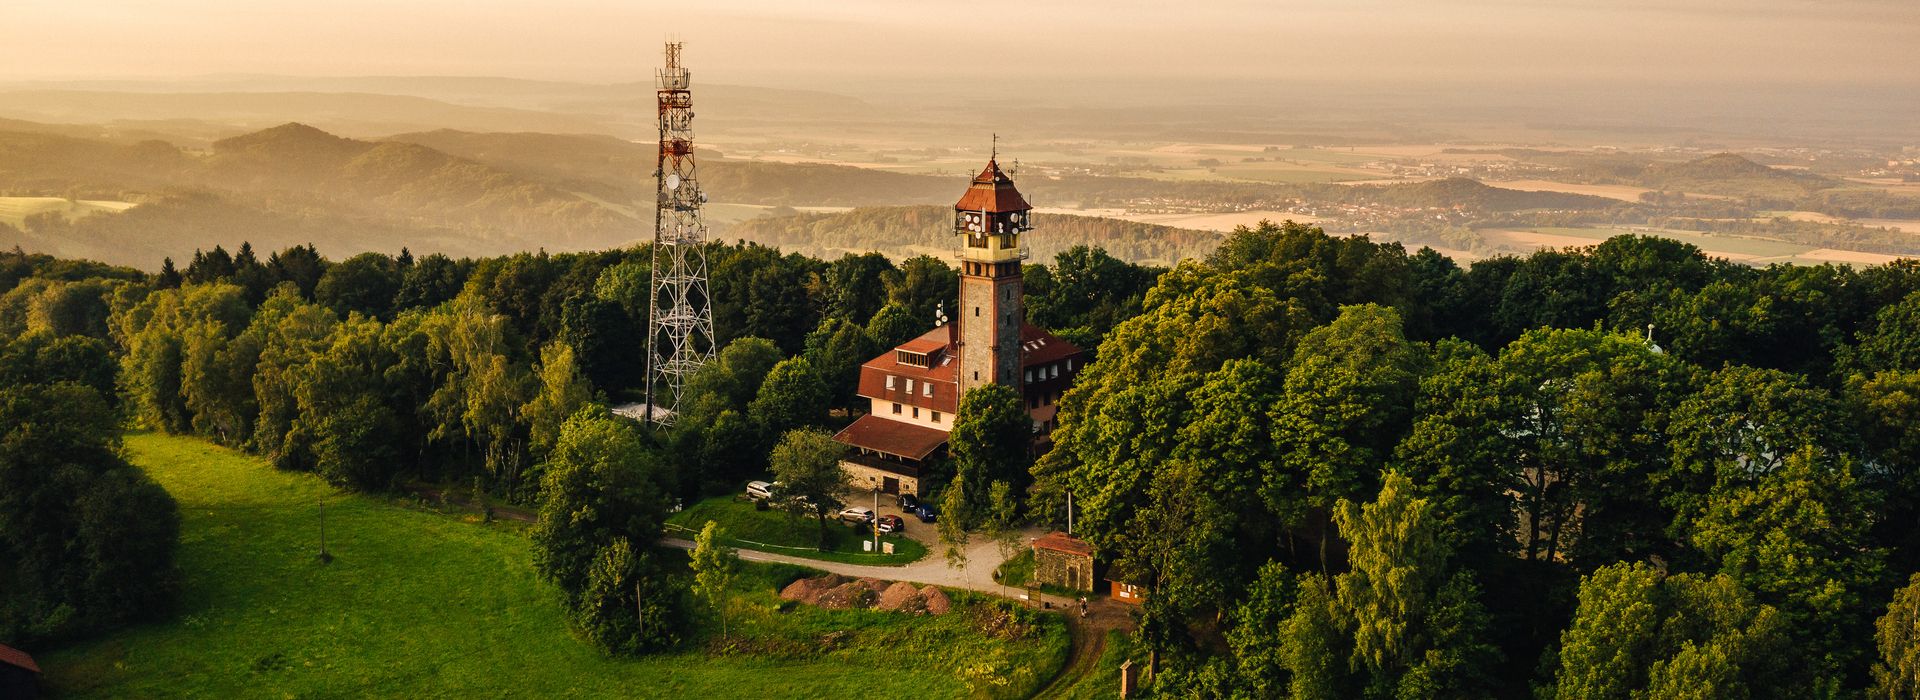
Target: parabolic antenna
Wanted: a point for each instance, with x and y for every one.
(673, 181)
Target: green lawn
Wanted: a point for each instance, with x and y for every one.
(419, 604)
(777, 531)
(14, 210)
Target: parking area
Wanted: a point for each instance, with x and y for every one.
(922, 532)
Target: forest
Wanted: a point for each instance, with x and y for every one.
(1341, 468)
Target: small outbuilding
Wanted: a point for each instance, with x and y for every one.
(1060, 559)
(1127, 592)
(19, 676)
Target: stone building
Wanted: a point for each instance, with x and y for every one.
(915, 389)
(1060, 559)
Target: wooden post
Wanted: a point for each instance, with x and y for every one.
(1128, 677)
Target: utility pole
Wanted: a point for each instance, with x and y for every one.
(875, 525)
(1069, 512)
(324, 557)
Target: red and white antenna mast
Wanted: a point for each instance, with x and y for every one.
(680, 319)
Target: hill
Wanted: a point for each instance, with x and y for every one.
(421, 604)
(1731, 175)
(1474, 195)
(619, 170)
(905, 231)
(294, 184)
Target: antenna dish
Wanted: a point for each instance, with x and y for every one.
(673, 181)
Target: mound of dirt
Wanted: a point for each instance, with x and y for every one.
(852, 594)
(809, 590)
(936, 600)
(836, 592)
(902, 597)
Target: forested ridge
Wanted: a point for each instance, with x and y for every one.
(1340, 468)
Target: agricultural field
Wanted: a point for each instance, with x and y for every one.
(14, 210)
(424, 604)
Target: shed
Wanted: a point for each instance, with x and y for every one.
(1060, 559)
(19, 675)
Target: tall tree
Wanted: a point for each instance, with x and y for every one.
(562, 392)
(601, 486)
(1897, 674)
(792, 396)
(991, 442)
(715, 565)
(806, 463)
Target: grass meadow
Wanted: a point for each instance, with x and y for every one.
(747, 526)
(422, 604)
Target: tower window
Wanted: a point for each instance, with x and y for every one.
(976, 312)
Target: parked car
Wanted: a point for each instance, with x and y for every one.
(857, 514)
(926, 512)
(890, 523)
(759, 490)
(908, 502)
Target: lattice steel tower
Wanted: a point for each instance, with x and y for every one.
(680, 320)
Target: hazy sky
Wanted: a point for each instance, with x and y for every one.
(813, 43)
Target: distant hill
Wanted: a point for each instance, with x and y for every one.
(905, 231)
(298, 183)
(1474, 194)
(1732, 175)
(622, 171)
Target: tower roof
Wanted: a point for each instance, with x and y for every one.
(992, 191)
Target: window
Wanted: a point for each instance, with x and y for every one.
(916, 411)
(976, 312)
(896, 409)
(1029, 376)
(976, 376)
(926, 389)
(1053, 371)
(936, 416)
(889, 381)
(909, 386)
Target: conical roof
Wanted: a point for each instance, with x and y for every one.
(992, 191)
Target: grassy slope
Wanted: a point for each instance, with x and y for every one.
(747, 527)
(418, 604)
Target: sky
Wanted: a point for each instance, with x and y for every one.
(814, 44)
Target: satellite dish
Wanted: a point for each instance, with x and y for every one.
(673, 181)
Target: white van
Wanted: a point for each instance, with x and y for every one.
(759, 490)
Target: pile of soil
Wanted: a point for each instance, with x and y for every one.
(936, 600)
(836, 592)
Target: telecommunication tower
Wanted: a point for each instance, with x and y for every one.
(680, 317)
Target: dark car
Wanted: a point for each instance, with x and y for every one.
(890, 523)
(908, 503)
(926, 512)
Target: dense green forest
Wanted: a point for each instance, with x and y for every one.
(1341, 468)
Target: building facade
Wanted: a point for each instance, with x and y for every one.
(914, 390)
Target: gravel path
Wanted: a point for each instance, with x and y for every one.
(977, 575)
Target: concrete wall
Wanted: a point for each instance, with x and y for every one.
(868, 478)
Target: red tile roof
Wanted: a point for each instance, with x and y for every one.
(16, 657)
(992, 191)
(897, 438)
(1065, 543)
(1038, 347)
